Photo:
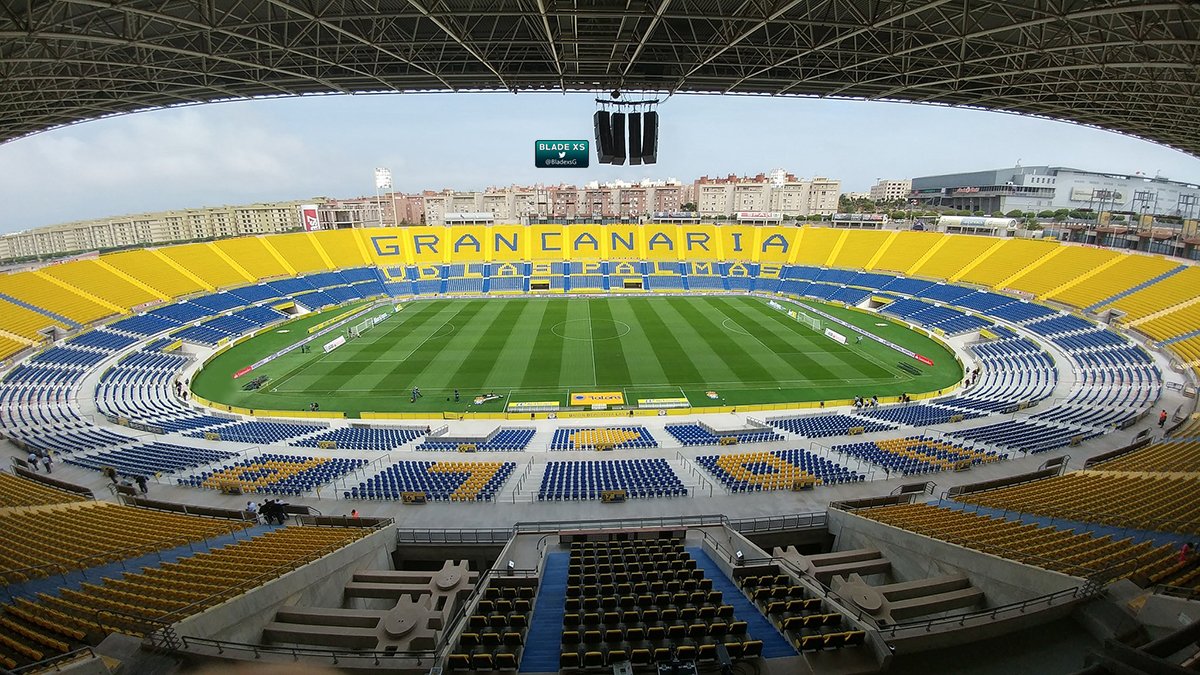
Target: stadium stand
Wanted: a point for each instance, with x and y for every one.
(500, 440)
(262, 432)
(252, 255)
(824, 426)
(916, 454)
(1071, 265)
(642, 626)
(696, 434)
(303, 252)
(906, 250)
(152, 269)
(17, 491)
(1157, 297)
(636, 478)
(37, 290)
(1003, 262)
(602, 438)
(1081, 555)
(775, 470)
(438, 481)
(93, 278)
(204, 262)
(1025, 435)
(46, 540)
(142, 602)
(1125, 498)
(956, 253)
(1129, 271)
(276, 474)
(150, 459)
(362, 438)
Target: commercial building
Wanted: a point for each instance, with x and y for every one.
(891, 190)
(1041, 188)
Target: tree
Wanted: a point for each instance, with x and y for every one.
(1047, 213)
(1015, 213)
(690, 206)
(1060, 214)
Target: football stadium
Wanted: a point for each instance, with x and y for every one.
(523, 447)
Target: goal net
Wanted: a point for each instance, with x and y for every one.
(358, 329)
(810, 321)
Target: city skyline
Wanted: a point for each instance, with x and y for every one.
(284, 149)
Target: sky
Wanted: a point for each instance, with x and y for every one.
(280, 149)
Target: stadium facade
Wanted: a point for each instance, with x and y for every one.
(1039, 188)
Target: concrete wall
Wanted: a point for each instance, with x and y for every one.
(317, 584)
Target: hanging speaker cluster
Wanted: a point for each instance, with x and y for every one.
(611, 129)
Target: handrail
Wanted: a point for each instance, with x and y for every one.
(54, 662)
(495, 535)
(924, 626)
(334, 655)
(453, 625)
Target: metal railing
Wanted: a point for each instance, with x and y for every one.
(499, 535)
(900, 630)
(54, 663)
(383, 659)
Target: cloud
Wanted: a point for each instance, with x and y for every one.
(242, 152)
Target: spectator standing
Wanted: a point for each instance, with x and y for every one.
(1162, 419)
(141, 483)
(46, 461)
(33, 461)
(252, 509)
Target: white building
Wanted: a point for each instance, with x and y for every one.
(891, 190)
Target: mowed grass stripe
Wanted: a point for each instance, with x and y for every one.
(578, 359)
(477, 361)
(612, 367)
(790, 345)
(514, 357)
(674, 361)
(330, 372)
(370, 368)
(415, 353)
(455, 346)
(545, 363)
(641, 356)
(778, 352)
(719, 344)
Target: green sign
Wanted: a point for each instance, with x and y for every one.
(561, 154)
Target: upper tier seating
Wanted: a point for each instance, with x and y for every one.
(141, 602)
(1135, 500)
(17, 491)
(47, 540)
(1046, 547)
(155, 271)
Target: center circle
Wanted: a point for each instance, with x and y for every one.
(590, 329)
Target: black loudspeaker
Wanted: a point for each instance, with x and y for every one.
(635, 139)
(604, 152)
(649, 147)
(618, 138)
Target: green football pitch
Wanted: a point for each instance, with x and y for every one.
(545, 349)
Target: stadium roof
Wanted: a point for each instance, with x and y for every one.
(1128, 65)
